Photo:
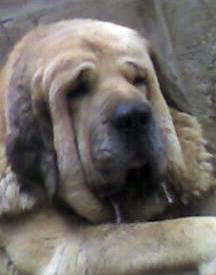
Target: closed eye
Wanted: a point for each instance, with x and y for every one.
(81, 84)
(134, 72)
(139, 80)
(80, 88)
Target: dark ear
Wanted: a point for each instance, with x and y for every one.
(172, 92)
(30, 156)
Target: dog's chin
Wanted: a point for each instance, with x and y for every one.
(143, 178)
(130, 184)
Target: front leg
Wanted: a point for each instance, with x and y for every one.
(50, 244)
(151, 248)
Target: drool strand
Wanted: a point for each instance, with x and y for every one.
(115, 205)
(167, 193)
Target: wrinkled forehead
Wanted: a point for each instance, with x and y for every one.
(98, 37)
(69, 46)
(109, 35)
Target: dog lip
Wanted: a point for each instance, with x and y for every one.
(105, 157)
(109, 193)
(136, 176)
(143, 180)
(138, 173)
(108, 157)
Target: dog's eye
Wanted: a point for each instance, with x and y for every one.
(80, 87)
(80, 90)
(135, 74)
(139, 80)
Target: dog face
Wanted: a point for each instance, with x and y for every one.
(117, 134)
(86, 116)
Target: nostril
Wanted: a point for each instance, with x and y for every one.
(131, 116)
(125, 122)
(144, 116)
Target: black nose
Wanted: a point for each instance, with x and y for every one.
(132, 116)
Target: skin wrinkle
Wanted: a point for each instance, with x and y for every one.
(63, 63)
(57, 109)
(55, 266)
(78, 154)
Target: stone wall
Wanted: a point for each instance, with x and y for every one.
(192, 31)
(183, 31)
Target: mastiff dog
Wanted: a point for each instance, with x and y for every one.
(101, 161)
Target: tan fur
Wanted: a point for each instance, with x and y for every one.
(39, 239)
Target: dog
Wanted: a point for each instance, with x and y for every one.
(98, 159)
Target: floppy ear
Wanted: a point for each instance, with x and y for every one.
(29, 145)
(198, 177)
(173, 94)
(163, 117)
(73, 189)
(189, 168)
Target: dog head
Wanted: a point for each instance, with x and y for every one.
(85, 115)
